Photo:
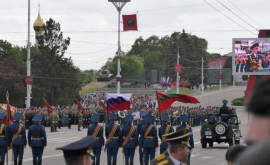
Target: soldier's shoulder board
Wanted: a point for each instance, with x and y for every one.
(163, 162)
(160, 157)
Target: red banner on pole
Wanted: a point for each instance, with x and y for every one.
(130, 22)
(178, 68)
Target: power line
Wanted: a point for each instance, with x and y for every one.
(244, 13)
(227, 16)
(236, 15)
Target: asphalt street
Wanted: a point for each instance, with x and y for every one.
(208, 156)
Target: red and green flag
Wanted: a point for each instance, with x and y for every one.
(165, 100)
(80, 107)
(8, 116)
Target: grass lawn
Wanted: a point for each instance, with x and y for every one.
(92, 87)
(217, 88)
(183, 91)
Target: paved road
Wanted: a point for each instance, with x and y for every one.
(213, 156)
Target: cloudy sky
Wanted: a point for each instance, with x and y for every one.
(92, 25)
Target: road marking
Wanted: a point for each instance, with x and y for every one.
(207, 157)
(195, 155)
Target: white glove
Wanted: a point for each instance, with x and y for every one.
(105, 149)
(191, 150)
(102, 148)
(142, 150)
(155, 149)
(136, 148)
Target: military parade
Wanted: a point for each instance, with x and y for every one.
(144, 136)
(124, 82)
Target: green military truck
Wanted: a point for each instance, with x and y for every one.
(215, 130)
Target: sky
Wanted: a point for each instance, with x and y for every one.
(92, 25)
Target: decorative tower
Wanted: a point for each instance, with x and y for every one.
(38, 26)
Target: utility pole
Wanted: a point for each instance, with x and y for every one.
(119, 4)
(29, 87)
(202, 75)
(219, 75)
(177, 73)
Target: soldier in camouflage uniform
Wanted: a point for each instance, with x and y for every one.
(80, 120)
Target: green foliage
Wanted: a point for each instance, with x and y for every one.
(55, 77)
(191, 50)
(12, 80)
(228, 63)
(131, 66)
(88, 76)
(238, 101)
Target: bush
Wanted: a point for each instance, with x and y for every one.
(238, 101)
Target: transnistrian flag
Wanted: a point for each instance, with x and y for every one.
(8, 117)
(165, 100)
(118, 102)
(80, 107)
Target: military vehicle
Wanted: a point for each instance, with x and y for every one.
(215, 130)
(105, 76)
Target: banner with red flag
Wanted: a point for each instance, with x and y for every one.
(130, 22)
(80, 107)
(49, 108)
(8, 117)
(166, 100)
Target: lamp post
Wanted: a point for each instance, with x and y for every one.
(29, 87)
(119, 4)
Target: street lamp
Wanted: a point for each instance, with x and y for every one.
(119, 4)
(29, 87)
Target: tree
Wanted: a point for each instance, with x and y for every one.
(55, 77)
(131, 66)
(12, 80)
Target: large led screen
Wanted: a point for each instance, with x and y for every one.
(251, 56)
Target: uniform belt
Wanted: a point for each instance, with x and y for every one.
(131, 139)
(114, 137)
(97, 137)
(224, 115)
(2, 136)
(149, 137)
(19, 136)
(37, 138)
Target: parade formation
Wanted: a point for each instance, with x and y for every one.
(121, 131)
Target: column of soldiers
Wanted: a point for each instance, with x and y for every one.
(14, 137)
(144, 137)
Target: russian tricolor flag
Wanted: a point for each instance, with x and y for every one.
(118, 102)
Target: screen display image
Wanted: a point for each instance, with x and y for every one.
(251, 56)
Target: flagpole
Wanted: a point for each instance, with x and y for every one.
(119, 4)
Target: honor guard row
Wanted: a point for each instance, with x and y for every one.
(14, 137)
(144, 137)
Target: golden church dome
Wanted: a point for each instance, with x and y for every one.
(38, 25)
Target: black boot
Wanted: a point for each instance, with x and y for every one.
(97, 163)
(2, 162)
(141, 162)
(131, 163)
(20, 162)
(114, 163)
(15, 162)
(39, 162)
(34, 162)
